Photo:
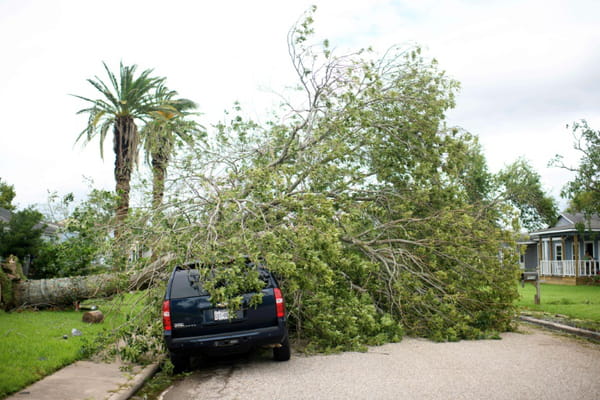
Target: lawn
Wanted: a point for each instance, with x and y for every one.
(581, 304)
(33, 344)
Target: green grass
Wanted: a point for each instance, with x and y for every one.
(580, 304)
(32, 343)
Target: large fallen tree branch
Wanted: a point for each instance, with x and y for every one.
(63, 291)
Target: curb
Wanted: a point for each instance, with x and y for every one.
(563, 328)
(126, 392)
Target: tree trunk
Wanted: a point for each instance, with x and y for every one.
(160, 161)
(126, 141)
(159, 172)
(65, 291)
(62, 291)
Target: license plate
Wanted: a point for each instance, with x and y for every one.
(221, 315)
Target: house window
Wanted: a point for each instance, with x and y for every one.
(571, 255)
(588, 250)
(558, 254)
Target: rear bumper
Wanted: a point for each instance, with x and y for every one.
(227, 342)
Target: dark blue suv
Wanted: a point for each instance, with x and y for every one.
(193, 325)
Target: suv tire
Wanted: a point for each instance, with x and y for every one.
(181, 362)
(282, 353)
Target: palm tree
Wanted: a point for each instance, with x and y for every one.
(126, 101)
(161, 133)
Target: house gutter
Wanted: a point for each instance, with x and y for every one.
(570, 230)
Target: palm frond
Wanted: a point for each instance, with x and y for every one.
(112, 78)
(167, 121)
(104, 89)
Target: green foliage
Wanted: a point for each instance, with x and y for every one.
(164, 131)
(7, 194)
(82, 241)
(523, 189)
(128, 98)
(22, 235)
(6, 288)
(377, 218)
(75, 249)
(122, 104)
(584, 189)
(136, 334)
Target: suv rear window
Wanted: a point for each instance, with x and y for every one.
(186, 283)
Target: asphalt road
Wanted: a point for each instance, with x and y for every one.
(534, 364)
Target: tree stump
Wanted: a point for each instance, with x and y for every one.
(11, 274)
(93, 317)
(13, 269)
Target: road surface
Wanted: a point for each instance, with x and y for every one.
(532, 364)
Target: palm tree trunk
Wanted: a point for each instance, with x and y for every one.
(159, 173)
(126, 140)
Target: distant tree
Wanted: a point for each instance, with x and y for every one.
(84, 237)
(161, 134)
(22, 235)
(7, 194)
(125, 101)
(584, 189)
(521, 186)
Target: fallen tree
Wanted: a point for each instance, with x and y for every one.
(377, 217)
(41, 293)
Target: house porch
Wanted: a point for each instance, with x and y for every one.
(569, 272)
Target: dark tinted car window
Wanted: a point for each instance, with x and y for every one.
(186, 283)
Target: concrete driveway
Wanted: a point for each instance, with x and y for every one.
(533, 364)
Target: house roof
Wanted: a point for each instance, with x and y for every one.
(569, 222)
(5, 215)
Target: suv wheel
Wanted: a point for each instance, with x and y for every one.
(181, 362)
(282, 353)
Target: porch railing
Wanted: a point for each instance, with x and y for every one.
(568, 267)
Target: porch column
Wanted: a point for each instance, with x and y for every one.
(576, 255)
(539, 255)
(551, 260)
(563, 255)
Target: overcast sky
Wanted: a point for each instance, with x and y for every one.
(527, 68)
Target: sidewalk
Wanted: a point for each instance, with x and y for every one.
(87, 380)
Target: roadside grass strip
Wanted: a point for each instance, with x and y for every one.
(34, 344)
(579, 304)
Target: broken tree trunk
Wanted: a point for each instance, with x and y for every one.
(11, 273)
(59, 291)
(64, 291)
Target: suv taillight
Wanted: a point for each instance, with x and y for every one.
(279, 303)
(166, 312)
